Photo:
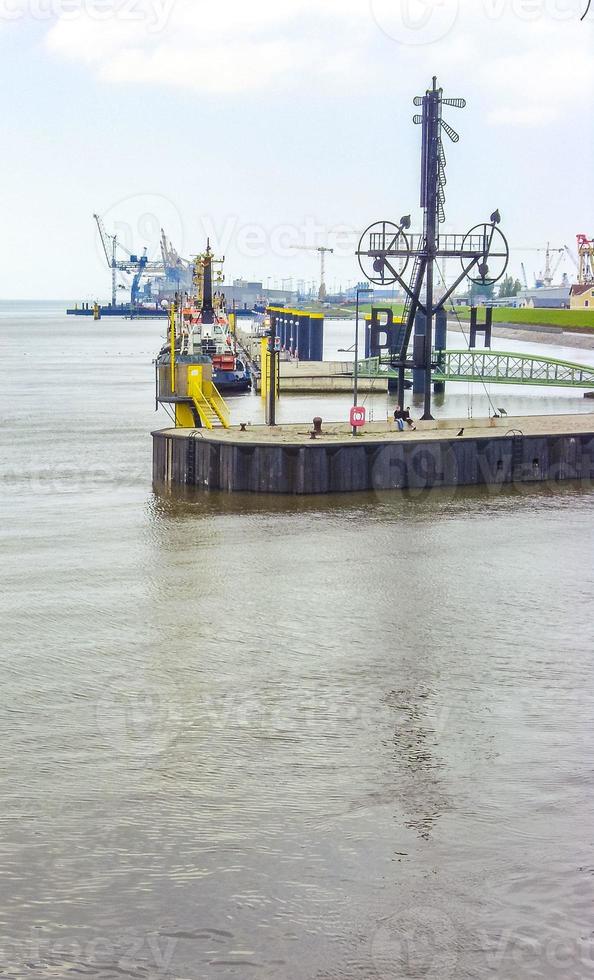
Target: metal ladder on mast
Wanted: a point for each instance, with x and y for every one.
(406, 330)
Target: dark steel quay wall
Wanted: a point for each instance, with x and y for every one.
(322, 467)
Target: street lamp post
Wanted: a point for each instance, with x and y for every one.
(360, 291)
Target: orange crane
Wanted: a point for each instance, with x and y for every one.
(323, 250)
(586, 260)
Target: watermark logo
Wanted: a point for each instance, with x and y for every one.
(415, 22)
(136, 221)
(567, 953)
(153, 15)
(256, 241)
(130, 234)
(137, 718)
(42, 955)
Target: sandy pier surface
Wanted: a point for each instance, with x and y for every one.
(340, 433)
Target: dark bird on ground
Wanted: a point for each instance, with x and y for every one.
(496, 217)
(461, 432)
(502, 411)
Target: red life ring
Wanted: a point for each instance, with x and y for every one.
(358, 417)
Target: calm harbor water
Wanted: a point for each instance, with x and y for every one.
(339, 738)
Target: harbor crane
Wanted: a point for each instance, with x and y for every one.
(323, 250)
(135, 265)
(547, 277)
(573, 258)
(586, 260)
(550, 272)
(177, 270)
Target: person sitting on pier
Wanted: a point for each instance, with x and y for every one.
(409, 421)
(403, 415)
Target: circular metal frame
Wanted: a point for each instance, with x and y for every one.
(490, 234)
(377, 271)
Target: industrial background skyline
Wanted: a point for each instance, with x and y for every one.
(270, 127)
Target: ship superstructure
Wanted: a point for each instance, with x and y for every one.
(199, 360)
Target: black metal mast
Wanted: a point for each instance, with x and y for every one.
(391, 248)
(430, 186)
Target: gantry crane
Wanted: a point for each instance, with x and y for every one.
(177, 270)
(134, 265)
(322, 250)
(571, 255)
(549, 273)
(550, 270)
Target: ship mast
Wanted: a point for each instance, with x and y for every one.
(207, 308)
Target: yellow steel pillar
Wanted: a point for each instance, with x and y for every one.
(264, 367)
(266, 371)
(184, 417)
(172, 345)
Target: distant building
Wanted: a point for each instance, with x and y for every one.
(510, 302)
(544, 298)
(582, 297)
(378, 295)
(246, 295)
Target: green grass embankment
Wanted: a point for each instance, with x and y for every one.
(566, 319)
(578, 320)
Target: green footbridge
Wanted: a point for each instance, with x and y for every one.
(494, 367)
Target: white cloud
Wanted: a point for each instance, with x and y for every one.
(226, 68)
(228, 47)
(528, 60)
(535, 86)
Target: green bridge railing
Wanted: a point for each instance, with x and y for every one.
(496, 367)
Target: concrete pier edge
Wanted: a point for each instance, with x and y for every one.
(528, 449)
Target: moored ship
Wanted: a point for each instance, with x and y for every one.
(202, 334)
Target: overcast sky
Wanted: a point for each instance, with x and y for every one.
(268, 124)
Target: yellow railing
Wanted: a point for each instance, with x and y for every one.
(205, 412)
(220, 406)
(207, 399)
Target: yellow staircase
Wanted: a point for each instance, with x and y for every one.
(208, 402)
